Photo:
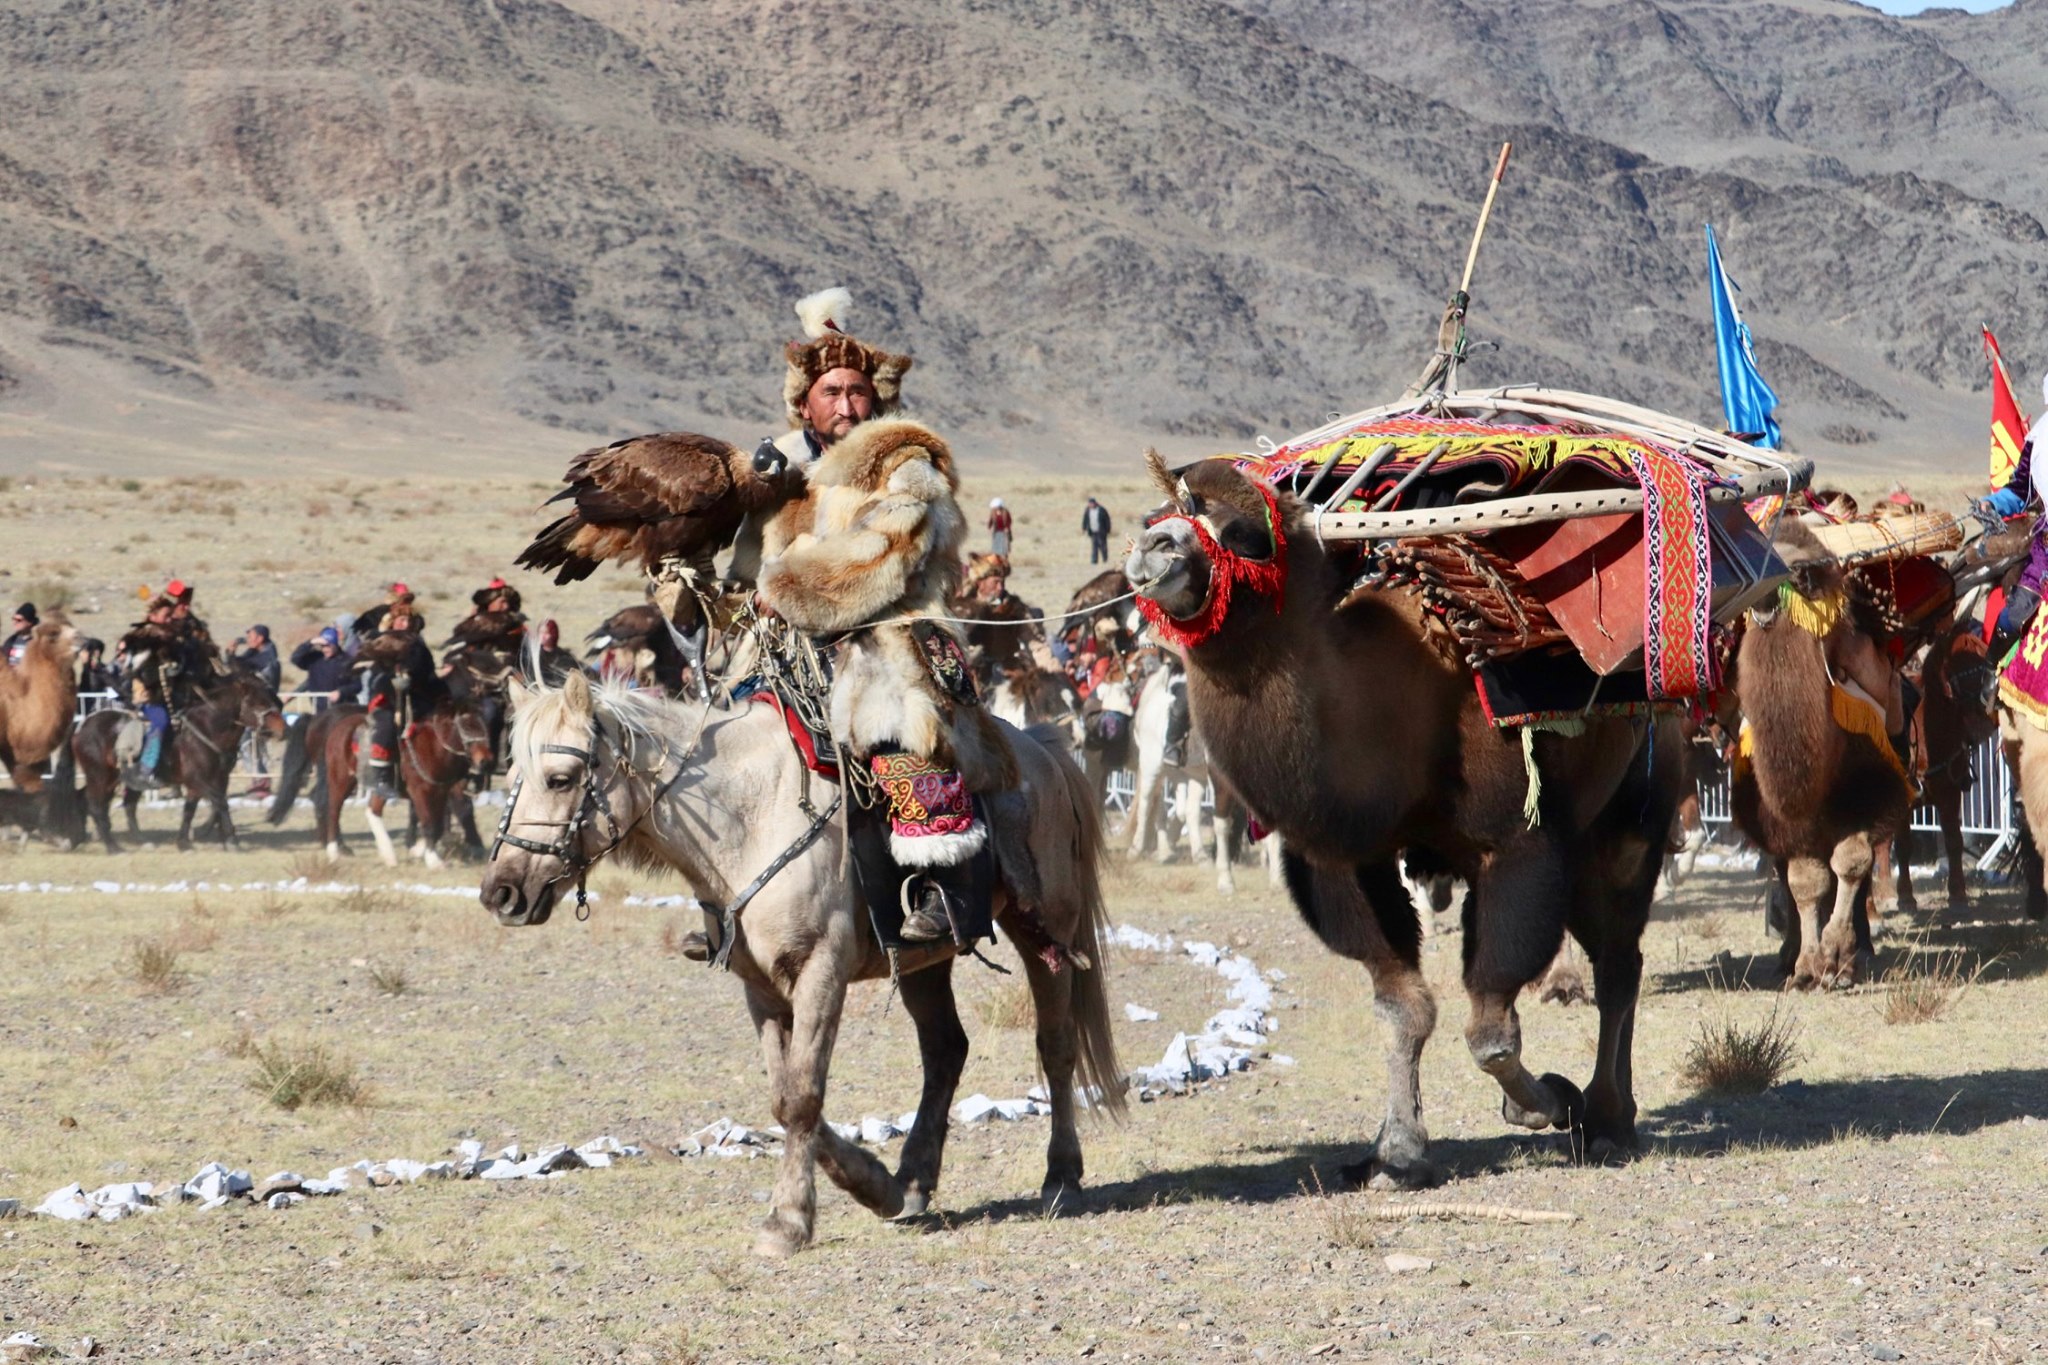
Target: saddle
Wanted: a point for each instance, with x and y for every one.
(134, 733)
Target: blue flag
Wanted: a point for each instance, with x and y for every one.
(1746, 400)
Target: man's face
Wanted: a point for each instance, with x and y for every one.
(550, 635)
(255, 640)
(181, 611)
(160, 615)
(840, 401)
(20, 621)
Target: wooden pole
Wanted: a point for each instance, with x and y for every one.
(1500, 168)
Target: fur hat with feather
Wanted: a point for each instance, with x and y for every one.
(828, 347)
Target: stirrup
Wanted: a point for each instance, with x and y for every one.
(920, 924)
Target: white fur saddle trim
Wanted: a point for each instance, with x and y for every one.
(938, 850)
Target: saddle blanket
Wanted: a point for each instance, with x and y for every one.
(809, 746)
(2023, 678)
(1855, 711)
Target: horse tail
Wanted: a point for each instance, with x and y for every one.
(291, 777)
(1100, 1074)
(64, 807)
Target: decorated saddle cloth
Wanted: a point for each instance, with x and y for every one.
(2023, 677)
(1631, 591)
(933, 819)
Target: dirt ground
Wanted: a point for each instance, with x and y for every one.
(1886, 1200)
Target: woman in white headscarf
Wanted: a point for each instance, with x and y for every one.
(998, 527)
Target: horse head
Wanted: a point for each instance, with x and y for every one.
(256, 705)
(471, 735)
(576, 792)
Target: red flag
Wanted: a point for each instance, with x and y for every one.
(2008, 423)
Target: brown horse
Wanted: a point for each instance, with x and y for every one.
(436, 757)
(201, 756)
(1350, 734)
(1952, 720)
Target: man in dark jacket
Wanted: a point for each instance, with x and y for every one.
(255, 652)
(1095, 525)
(16, 645)
(326, 668)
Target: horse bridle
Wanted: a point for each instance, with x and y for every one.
(568, 845)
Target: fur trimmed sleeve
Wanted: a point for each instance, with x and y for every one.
(840, 581)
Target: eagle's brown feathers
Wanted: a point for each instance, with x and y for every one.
(673, 494)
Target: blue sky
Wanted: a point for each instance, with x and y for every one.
(1915, 6)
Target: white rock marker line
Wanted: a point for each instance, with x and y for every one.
(1233, 1039)
(215, 1185)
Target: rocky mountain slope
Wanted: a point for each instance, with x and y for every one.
(413, 235)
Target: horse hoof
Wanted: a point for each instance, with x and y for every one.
(915, 1202)
(1377, 1173)
(778, 1241)
(1570, 1098)
(1059, 1196)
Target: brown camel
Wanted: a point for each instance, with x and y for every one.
(1350, 734)
(38, 697)
(1817, 783)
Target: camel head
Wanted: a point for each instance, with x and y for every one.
(56, 636)
(1815, 572)
(1219, 530)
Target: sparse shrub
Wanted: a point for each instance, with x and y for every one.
(131, 485)
(1008, 1005)
(309, 603)
(241, 1044)
(195, 932)
(153, 965)
(294, 1077)
(274, 906)
(1920, 986)
(1345, 1222)
(365, 899)
(310, 864)
(389, 979)
(1729, 1057)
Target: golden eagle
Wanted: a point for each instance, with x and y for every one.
(673, 495)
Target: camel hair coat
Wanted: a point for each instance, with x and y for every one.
(877, 538)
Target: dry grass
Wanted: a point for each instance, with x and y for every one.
(1922, 985)
(294, 1076)
(1729, 1057)
(1345, 1221)
(367, 899)
(153, 965)
(672, 935)
(195, 932)
(274, 906)
(1008, 1005)
(310, 864)
(389, 979)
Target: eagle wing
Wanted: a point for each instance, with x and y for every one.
(647, 497)
(500, 629)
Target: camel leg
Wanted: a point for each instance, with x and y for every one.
(942, 1047)
(1801, 957)
(1851, 864)
(373, 814)
(1357, 913)
(1512, 934)
(1052, 999)
(1882, 881)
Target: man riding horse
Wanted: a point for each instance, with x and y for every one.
(870, 560)
(154, 647)
(401, 678)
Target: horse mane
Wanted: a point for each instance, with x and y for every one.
(643, 715)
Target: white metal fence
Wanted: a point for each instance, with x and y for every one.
(1988, 811)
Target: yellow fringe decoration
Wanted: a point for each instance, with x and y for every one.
(1851, 713)
(1533, 796)
(1817, 616)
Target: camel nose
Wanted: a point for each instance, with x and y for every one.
(1158, 541)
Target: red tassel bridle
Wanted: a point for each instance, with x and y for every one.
(1227, 569)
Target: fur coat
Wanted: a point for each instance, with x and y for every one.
(877, 538)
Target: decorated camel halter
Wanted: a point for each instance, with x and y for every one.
(1227, 570)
